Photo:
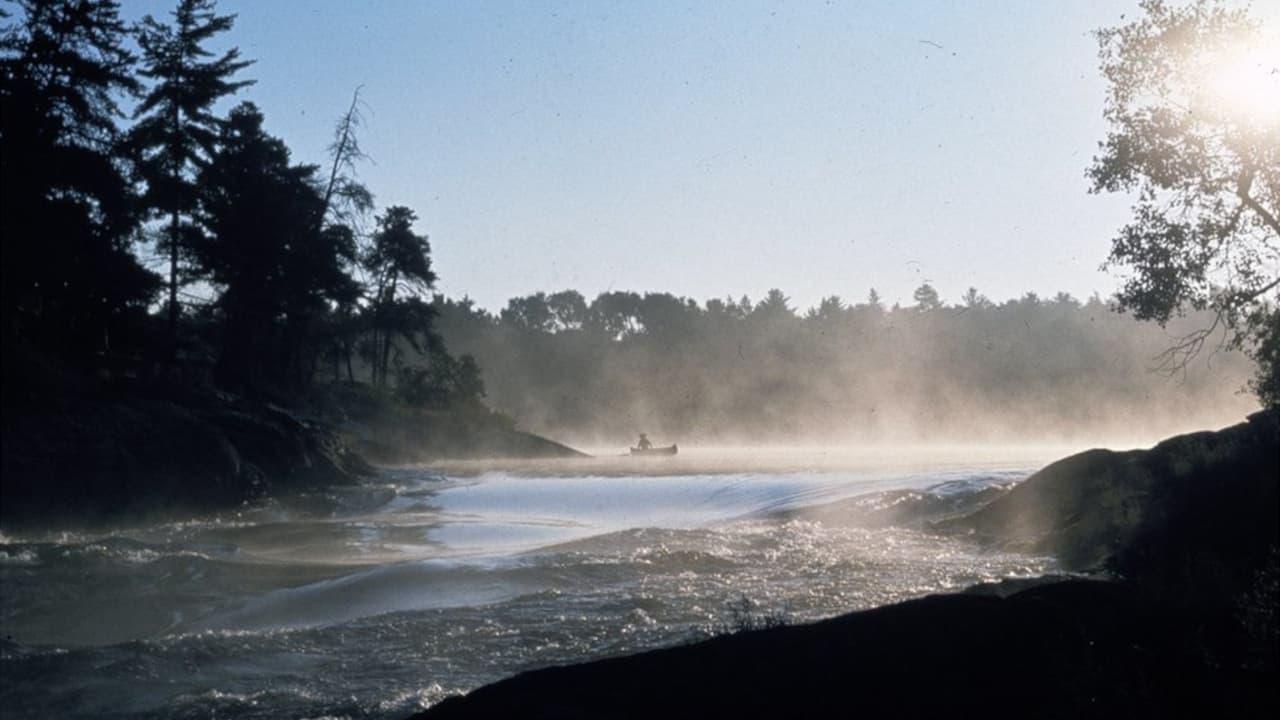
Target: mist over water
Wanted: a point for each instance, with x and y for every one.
(867, 460)
(379, 599)
(1031, 370)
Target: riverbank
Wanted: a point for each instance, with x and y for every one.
(80, 450)
(1178, 618)
(106, 451)
(390, 433)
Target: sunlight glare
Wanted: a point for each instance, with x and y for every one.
(1244, 84)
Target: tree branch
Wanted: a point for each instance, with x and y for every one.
(1175, 359)
(1260, 291)
(1244, 184)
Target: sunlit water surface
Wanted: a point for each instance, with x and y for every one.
(378, 600)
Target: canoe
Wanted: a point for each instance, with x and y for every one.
(668, 450)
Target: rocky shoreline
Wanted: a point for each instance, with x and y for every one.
(1177, 617)
(79, 451)
(117, 452)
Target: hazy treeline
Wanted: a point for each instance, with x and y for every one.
(1030, 369)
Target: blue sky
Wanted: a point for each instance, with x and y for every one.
(708, 149)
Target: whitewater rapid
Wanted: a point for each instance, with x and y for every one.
(380, 599)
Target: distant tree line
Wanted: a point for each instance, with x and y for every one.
(114, 159)
(732, 369)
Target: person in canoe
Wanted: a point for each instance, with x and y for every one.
(645, 447)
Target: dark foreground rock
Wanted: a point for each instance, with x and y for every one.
(1195, 516)
(1188, 629)
(1073, 649)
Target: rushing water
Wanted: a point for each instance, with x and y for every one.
(377, 600)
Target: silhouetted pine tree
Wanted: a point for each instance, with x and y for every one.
(177, 128)
(399, 263)
(68, 275)
(276, 274)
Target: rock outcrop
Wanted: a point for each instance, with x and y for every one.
(390, 433)
(115, 451)
(1195, 516)
(1068, 650)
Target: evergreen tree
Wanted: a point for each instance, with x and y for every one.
(177, 127)
(69, 277)
(830, 309)
(926, 298)
(874, 301)
(399, 263)
(277, 276)
(975, 300)
(774, 306)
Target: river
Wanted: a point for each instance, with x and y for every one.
(380, 599)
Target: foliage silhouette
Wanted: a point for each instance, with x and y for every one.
(399, 263)
(177, 129)
(1206, 175)
(70, 283)
(277, 277)
(926, 298)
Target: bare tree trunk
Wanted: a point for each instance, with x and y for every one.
(393, 283)
(342, 154)
(386, 356)
(173, 286)
(176, 169)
